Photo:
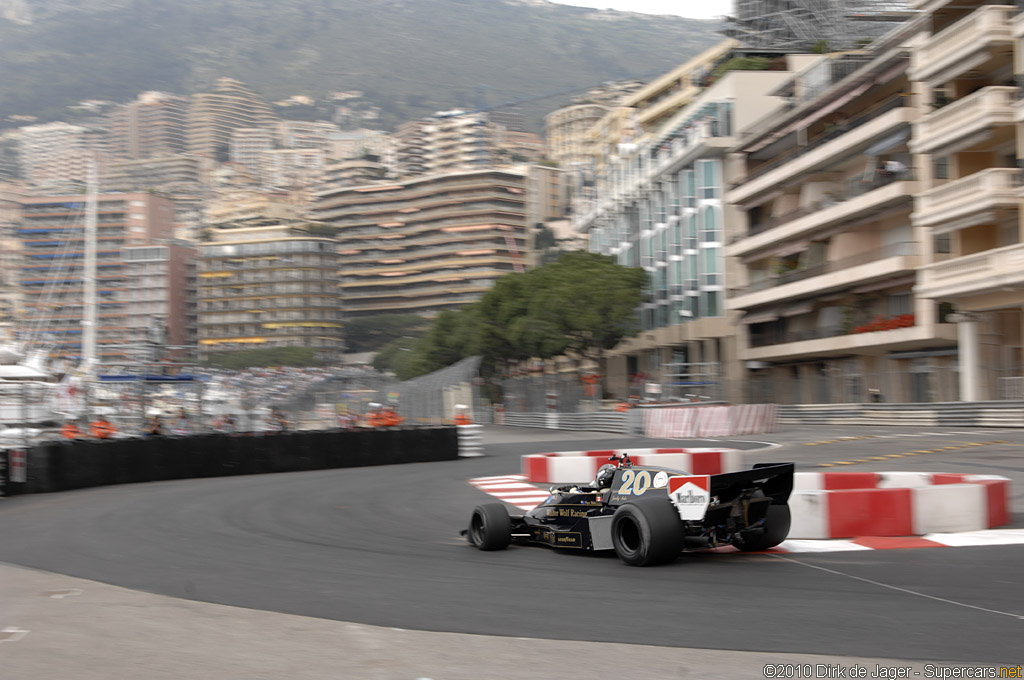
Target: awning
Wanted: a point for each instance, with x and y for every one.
(888, 143)
(760, 317)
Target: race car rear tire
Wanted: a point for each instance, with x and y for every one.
(647, 533)
(776, 528)
(490, 527)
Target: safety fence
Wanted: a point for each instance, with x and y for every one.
(711, 421)
(61, 466)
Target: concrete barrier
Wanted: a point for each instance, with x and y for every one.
(853, 504)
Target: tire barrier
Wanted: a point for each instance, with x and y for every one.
(62, 466)
(711, 421)
(854, 504)
(566, 467)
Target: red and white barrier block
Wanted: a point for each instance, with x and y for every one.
(852, 504)
(565, 467)
(711, 421)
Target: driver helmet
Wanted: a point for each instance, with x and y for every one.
(604, 476)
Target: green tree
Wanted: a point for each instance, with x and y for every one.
(275, 356)
(584, 304)
(372, 333)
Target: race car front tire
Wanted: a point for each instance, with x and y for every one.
(647, 533)
(776, 528)
(490, 527)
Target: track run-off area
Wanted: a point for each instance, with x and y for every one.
(361, 573)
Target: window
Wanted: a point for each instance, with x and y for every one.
(941, 167)
(708, 179)
(900, 303)
(710, 303)
(710, 231)
(942, 244)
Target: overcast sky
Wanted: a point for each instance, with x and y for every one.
(696, 9)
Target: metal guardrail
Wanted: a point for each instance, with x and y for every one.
(601, 421)
(943, 414)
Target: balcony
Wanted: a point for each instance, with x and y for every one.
(971, 200)
(824, 342)
(826, 150)
(985, 272)
(874, 265)
(964, 119)
(806, 220)
(964, 45)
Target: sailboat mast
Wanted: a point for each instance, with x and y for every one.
(89, 274)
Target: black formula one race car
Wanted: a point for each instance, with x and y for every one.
(649, 515)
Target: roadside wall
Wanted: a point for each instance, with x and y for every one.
(63, 466)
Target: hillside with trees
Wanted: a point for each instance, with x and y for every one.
(408, 57)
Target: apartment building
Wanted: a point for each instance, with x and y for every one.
(410, 141)
(301, 134)
(241, 205)
(212, 116)
(269, 283)
(966, 66)
(427, 244)
(641, 114)
(291, 167)
(566, 130)
(152, 125)
(161, 287)
(59, 154)
(828, 248)
(247, 146)
(11, 305)
(661, 206)
(51, 231)
(175, 173)
(354, 172)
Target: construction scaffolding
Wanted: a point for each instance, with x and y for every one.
(808, 25)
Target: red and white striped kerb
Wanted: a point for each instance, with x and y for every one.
(564, 467)
(852, 504)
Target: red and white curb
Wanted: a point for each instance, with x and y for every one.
(514, 490)
(847, 504)
(566, 467)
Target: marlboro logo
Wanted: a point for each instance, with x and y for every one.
(691, 495)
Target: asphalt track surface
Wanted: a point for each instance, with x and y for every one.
(380, 546)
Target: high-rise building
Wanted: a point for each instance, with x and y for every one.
(51, 229)
(267, 283)
(427, 244)
(59, 154)
(151, 126)
(410, 141)
(660, 206)
(212, 117)
(11, 306)
(291, 167)
(300, 134)
(967, 64)
(248, 144)
(828, 248)
(161, 282)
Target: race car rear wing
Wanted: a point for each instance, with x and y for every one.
(773, 479)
